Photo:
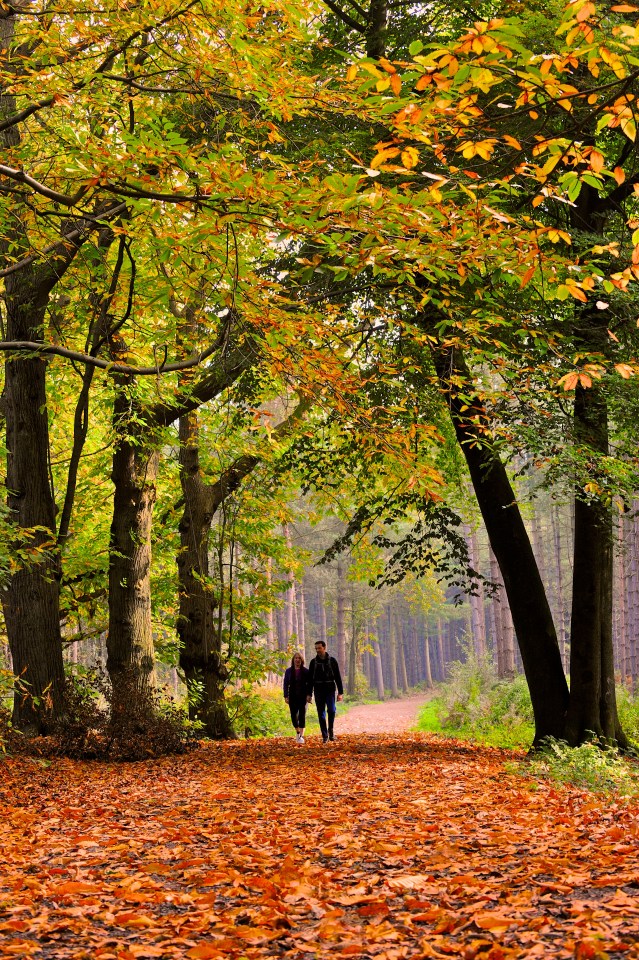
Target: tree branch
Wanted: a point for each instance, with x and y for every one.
(49, 349)
(345, 17)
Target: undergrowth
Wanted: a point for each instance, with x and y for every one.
(95, 724)
(591, 766)
(474, 704)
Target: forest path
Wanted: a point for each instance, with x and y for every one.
(375, 847)
(391, 716)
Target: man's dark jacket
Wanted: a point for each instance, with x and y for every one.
(323, 674)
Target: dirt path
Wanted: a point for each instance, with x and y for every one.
(392, 716)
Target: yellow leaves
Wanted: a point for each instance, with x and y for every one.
(555, 236)
(625, 370)
(384, 154)
(479, 148)
(410, 157)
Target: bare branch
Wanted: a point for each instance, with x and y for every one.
(48, 349)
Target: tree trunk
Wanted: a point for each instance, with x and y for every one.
(428, 676)
(321, 601)
(340, 616)
(476, 599)
(31, 602)
(400, 633)
(130, 660)
(379, 674)
(198, 624)
(510, 542)
(392, 652)
(593, 707)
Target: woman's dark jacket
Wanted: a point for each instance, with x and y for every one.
(292, 690)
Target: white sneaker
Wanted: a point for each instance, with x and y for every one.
(297, 738)
(300, 738)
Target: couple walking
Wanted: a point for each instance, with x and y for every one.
(322, 679)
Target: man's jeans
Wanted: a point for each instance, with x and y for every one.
(325, 703)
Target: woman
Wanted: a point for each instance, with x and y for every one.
(295, 680)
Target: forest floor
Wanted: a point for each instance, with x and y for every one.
(382, 847)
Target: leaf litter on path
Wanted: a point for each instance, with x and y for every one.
(381, 847)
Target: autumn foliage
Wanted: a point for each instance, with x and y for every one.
(381, 847)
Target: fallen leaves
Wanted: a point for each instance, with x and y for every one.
(385, 848)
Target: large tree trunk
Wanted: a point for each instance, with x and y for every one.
(593, 709)
(31, 602)
(197, 625)
(510, 542)
(130, 651)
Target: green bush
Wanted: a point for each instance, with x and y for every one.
(590, 767)
(628, 708)
(475, 704)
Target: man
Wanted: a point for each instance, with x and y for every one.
(323, 679)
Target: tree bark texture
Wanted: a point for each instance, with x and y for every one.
(593, 708)
(130, 650)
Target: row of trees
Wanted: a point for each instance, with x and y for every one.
(380, 281)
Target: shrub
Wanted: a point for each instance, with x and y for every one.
(591, 767)
(94, 725)
(628, 708)
(474, 703)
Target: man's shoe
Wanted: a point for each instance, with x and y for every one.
(331, 736)
(324, 739)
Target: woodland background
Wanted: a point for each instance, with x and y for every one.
(319, 322)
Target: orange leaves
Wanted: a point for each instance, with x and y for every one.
(409, 858)
(205, 951)
(495, 922)
(589, 950)
(73, 887)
